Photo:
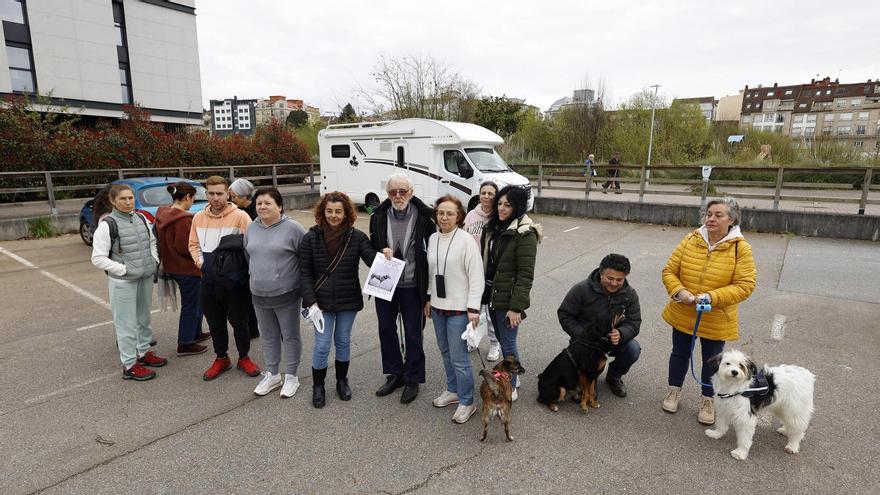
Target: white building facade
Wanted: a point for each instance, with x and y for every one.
(94, 56)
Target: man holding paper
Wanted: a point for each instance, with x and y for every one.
(403, 224)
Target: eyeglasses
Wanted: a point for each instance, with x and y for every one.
(397, 192)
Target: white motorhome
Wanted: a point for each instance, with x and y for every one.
(439, 157)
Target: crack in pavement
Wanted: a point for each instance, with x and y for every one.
(441, 471)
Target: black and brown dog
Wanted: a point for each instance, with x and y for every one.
(497, 393)
(574, 369)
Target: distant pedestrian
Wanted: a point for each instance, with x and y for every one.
(613, 174)
(474, 223)
(130, 260)
(222, 225)
(330, 254)
(173, 224)
(272, 245)
(588, 166)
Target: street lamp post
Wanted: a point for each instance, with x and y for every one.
(646, 174)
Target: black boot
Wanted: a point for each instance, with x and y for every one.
(342, 380)
(318, 398)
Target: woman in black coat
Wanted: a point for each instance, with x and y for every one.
(329, 255)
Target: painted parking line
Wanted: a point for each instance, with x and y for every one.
(41, 398)
(571, 229)
(56, 278)
(96, 325)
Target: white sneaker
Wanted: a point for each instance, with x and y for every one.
(269, 383)
(291, 384)
(513, 395)
(463, 413)
(445, 399)
(494, 352)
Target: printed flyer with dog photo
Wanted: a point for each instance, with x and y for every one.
(383, 277)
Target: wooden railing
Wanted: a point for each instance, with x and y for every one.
(52, 182)
(644, 181)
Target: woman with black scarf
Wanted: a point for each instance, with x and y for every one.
(329, 255)
(510, 246)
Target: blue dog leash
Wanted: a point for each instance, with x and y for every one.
(702, 305)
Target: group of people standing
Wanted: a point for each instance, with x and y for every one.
(462, 268)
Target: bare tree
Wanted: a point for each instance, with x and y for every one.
(419, 86)
(579, 125)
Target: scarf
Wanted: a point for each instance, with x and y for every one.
(332, 236)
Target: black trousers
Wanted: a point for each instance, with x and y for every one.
(220, 304)
(612, 174)
(407, 303)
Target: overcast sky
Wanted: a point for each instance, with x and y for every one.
(321, 51)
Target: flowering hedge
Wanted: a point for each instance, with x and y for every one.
(49, 141)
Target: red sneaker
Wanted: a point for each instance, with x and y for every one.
(151, 359)
(203, 336)
(245, 364)
(220, 365)
(138, 373)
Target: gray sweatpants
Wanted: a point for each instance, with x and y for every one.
(274, 324)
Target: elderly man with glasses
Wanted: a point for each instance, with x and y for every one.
(403, 224)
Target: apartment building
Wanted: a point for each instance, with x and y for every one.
(707, 104)
(821, 109)
(92, 57)
(233, 116)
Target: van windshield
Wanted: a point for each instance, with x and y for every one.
(486, 160)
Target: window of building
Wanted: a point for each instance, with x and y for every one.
(844, 130)
(809, 130)
(811, 118)
(829, 117)
(746, 119)
(840, 103)
(748, 105)
(858, 144)
(826, 130)
(855, 102)
(863, 115)
(861, 130)
(818, 93)
(846, 116)
(796, 131)
(21, 71)
(839, 91)
(769, 93)
(802, 105)
(780, 118)
(787, 92)
(11, 11)
(798, 119)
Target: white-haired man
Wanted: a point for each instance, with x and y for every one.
(403, 224)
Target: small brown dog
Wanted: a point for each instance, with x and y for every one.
(497, 391)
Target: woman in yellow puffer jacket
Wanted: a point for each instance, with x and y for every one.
(715, 261)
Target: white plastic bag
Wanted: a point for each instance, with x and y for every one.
(474, 335)
(316, 316)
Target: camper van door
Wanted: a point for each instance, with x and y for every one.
(454, 176)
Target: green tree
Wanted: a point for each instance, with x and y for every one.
(534, 141)
(297, 119)
(348, 114)
(499, 114)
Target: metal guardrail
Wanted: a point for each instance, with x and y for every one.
(547, 174)
(49, 187)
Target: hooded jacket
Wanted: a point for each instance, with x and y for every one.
(173, 226)
(207, 230)
(725, 271)
(516, 249)
(422, 230)
(587, 311)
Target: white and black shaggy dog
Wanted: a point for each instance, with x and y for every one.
(742, 391)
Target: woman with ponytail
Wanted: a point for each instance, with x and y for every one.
(172, 228)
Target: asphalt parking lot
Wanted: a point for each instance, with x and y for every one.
(70, 424)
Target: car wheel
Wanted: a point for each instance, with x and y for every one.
(371, 202)
(85, 232)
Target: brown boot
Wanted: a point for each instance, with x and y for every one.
(670, 403)
(707, 411)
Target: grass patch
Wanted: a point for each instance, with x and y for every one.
(41, 228)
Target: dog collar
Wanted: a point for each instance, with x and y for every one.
(500, 375)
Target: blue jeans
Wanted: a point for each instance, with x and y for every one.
(456, 360)
(190, 323)
(506, 335)
(625, 356)
(679, 360)
(337, 329)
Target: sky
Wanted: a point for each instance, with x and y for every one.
(323, 51)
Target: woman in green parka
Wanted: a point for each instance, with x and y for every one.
(510, 244)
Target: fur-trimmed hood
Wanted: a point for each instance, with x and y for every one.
(522, 225)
